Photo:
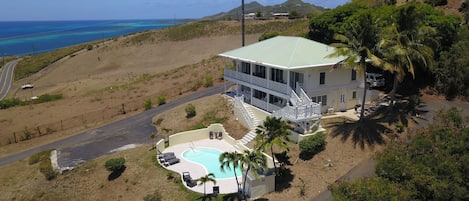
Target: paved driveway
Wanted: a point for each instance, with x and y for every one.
(100, 141)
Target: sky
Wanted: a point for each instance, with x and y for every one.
(37, 10)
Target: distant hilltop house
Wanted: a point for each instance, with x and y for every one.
(250, 16)
(280, 15)
(292, 78)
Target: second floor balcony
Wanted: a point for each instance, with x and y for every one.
(257, 81)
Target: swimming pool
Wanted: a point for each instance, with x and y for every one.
(208, 157)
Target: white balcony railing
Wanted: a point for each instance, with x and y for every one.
(264, 105)
(298, 113)
(258, 81)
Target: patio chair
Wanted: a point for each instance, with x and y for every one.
(211, 135)
(163, 155)
(191, 183)
(186, 176)
(216, 190)
(171, 161)
(220, 135)
(167, 158)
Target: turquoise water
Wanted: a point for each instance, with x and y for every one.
(208, 158)
(23, 37)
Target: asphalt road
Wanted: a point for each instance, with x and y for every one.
(6, 78)
(100, 141)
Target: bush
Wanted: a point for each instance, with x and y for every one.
(208, 81)
(161, 100)
(313, 144)
(147, 104)
(6, 103)
(45, 165)
(190, 111)
(115, 164)
(89, 47)
(47, 98)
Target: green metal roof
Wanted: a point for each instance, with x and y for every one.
(285, 52)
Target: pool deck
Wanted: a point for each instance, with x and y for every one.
(196, 171)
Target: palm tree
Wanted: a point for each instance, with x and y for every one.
(403, 43)
(273, 132)
(207, 178)
(357, 45)
(252, 162)
(230, 160)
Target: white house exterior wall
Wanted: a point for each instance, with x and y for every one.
(338, 82)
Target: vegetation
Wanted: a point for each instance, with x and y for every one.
(312, 145)
(207, 178)
(252, 162)
(230, 160)
(45, 165)
(147, 104)
(115, 164)
(156, 196)
(430, 165)
(208, 81)
(161, 100)
(47, 98)
(190, 111)
(405, 44)
(36, 62)
(7, 103)
(272, 133)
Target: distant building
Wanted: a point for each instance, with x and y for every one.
(250, 16)
(280, 15)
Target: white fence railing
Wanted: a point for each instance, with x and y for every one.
(297, 113)
(261, 82)
(250, 120)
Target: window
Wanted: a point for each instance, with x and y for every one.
(354, 75)
(259, 71)
(246, 68)
(354, 95)
(277, 75)
(322, 99)
(260, 95)
(322, 78)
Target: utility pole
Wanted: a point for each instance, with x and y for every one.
(242, 21)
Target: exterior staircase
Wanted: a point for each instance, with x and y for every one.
(252, 130)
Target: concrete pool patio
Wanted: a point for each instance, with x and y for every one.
(196, 171)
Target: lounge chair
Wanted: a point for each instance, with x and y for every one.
(188, 179)
(210, 134)
(167, 158)
(216, 190)
(171, 161)
(163, 155)
(186, 176)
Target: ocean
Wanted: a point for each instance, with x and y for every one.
(32, 37)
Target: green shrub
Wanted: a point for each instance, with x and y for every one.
(40, 156)
(313, 144)
(147, 104)
(7, 103)
(266, 36)
(190, 111)
(115, 164)
(47, 98)
(89, 47)
(208, 81)
(161, 100)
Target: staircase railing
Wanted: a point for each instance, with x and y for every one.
(239, 103)
(302, 94)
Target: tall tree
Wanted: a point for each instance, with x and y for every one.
(403, 45)
(252, 162)
(358, 44)
(272, 133)
(230, 160)
(207, 178)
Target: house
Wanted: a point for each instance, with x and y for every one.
(293, 78)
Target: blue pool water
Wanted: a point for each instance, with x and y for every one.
(208, 158)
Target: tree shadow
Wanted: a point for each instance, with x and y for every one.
(284, 179)
(116, 174)
(372, 128)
